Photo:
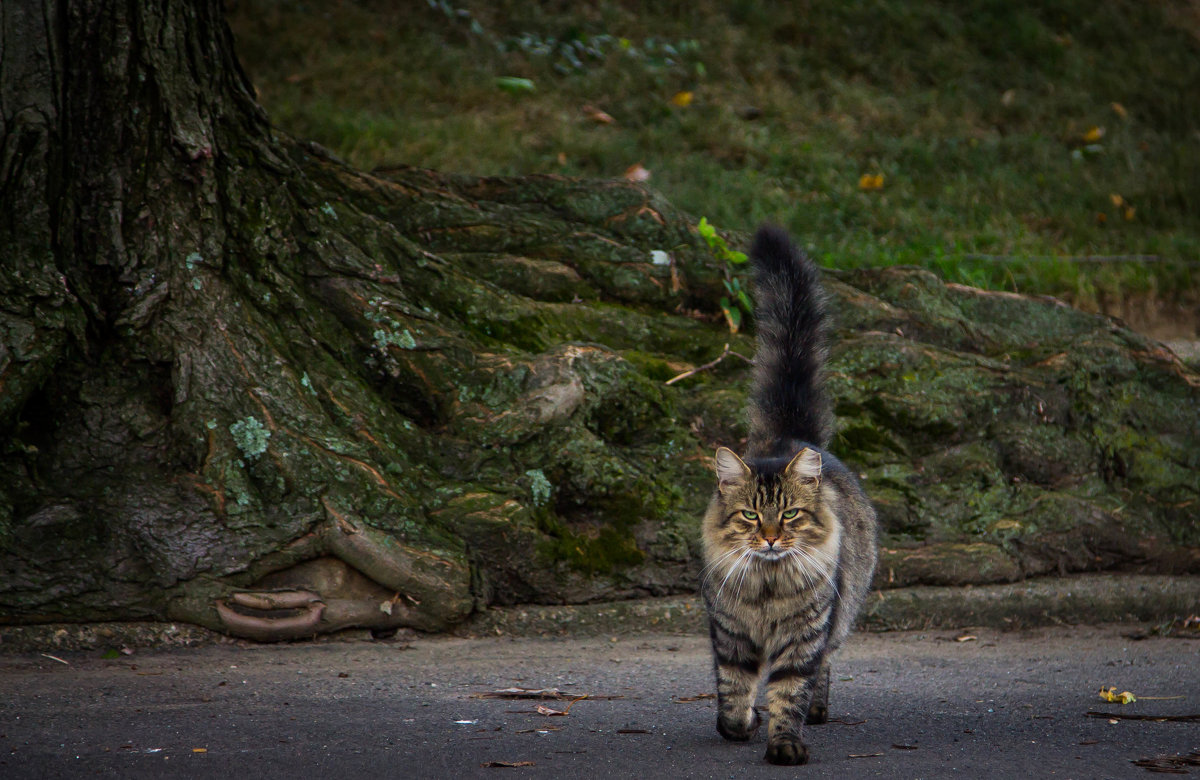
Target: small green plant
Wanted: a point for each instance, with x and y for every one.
(738, 301)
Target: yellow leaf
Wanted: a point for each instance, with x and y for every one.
(729, 320)
(1093, 135)
(1129, 213)
(1117, 200)
(870, 181)
(1119, 110)
(1109, 694)
(682, 99)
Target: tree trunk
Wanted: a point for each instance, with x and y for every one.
(246, 386)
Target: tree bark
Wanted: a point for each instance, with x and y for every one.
(246, 386)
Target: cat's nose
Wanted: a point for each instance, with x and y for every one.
(770, 540)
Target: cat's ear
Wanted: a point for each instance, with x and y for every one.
(731, 470)
(805, 466)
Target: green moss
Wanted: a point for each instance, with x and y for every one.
(654, 366)
(603, 550)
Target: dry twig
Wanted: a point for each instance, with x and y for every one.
(724, 354)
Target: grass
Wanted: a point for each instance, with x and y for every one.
(1009, 135)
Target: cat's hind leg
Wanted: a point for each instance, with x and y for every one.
(818, 708)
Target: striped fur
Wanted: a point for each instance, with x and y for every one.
(789, 536)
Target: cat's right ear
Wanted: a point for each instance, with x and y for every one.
(731, 471)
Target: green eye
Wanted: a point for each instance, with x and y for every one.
(790, 513)
(746, 513)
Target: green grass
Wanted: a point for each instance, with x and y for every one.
(974, 112)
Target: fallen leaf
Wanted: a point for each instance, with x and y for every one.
(966, 638)
(1128, 213)
(870, 181)
(1109, 693)
(864, 755)
(682, 99)
(505, 764)
(905, 747)
(199, 750)
(1119, 110)
(697, 697)
(1116, 199)
(636, 173)
(597, 116)
(1093, 135)
(1008, 98)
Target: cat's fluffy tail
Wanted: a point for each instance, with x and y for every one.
(789, 400)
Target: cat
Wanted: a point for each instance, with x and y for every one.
(790, 538)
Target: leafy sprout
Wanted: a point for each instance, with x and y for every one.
(737, 303)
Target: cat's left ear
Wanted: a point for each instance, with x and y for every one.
(805, 466)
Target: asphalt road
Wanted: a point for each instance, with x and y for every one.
(905, 705)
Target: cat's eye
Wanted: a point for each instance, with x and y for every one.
(746, 513)
(788, 514)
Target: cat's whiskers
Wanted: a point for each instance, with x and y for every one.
(750, 562)
(798, 563)
(816, 558)
(708, 571)
(736, 565)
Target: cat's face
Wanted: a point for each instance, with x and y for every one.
(771, 516)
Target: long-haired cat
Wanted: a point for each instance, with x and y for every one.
(789, 536)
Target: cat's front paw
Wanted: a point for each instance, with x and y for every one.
(735, 731)
(787, 752)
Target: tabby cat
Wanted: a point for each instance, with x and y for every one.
(789, 536)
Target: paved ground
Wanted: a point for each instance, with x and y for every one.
(910, 705)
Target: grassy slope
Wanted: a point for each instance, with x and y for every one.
(975, 113)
